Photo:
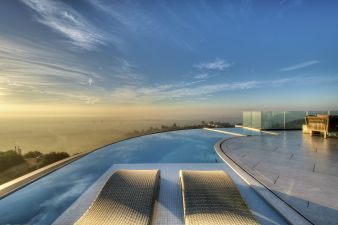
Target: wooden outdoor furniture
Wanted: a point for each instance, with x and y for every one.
(324, 124)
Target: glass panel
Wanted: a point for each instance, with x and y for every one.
(256, 120)
(317, 112)
(294, 120)
(266, 120)
(272, 120)
(335, 113)
(247, 119)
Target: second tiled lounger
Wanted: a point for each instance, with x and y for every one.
(211, 197)
(127, 198)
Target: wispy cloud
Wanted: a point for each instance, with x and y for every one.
(26, 58)
(292, 3)
(128, 14)
(177, 92)
(197, 91)
(68, 22)
(90, 81)
(217, 64)
(300, 65)
(201, 76)
(39, 72)
(3, 91)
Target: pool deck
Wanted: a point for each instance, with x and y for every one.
(168, 208)
(299, 169)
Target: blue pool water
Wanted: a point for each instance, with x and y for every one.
(45, 199)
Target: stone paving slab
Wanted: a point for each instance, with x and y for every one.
(301, 169)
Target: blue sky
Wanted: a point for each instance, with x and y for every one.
(235, 54)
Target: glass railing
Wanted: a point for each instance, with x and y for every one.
(279, 120)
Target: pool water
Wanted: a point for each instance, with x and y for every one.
(45, 199)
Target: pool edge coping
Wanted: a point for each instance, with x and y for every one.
(26, 179)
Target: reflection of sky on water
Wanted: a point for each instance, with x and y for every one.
(44, 200)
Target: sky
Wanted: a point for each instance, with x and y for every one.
(175, 56)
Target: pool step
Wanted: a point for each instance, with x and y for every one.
(211, 197)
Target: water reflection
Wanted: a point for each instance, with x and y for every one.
(44, 200)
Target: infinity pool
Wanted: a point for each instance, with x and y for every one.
(45, 199)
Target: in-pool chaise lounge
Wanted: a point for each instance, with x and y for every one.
(211, 197)
(127, 198)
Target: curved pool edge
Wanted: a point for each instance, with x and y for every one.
(26, 179)
(284, 209)
(22, 181)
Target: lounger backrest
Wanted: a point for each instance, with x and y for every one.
(211, 197)
(127, 198)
